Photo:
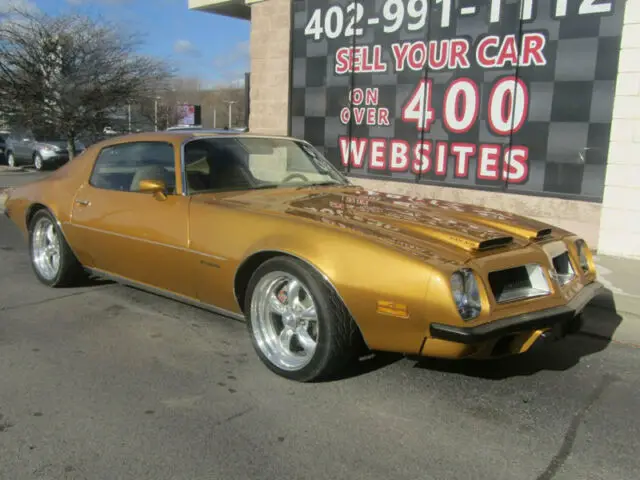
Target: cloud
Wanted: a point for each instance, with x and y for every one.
(185, 47)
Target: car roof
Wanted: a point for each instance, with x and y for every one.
(182, 136)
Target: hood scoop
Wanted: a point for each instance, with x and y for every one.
(475, 241)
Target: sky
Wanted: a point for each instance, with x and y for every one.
(198, 44)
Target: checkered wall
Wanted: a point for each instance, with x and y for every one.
(518, 93)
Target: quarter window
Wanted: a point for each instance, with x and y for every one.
(122, 167)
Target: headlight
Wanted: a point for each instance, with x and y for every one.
(466, 294)
(583, 254)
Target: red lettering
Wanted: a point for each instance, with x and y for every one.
(508, 52)
(462, 152)
(442, 155)
(356, 96)
(358, 115)
(399, 156)
(399, 55)
(417, 56)
(343, 60)
(371, 116)
(360, 59)
(422, 160)
(516, 164)
(488, 162)
(532, 49)
(459, 52)
(345, 115)
(435, 62)
(481, 52)
(376, 157)
(383, 117)
(353, 152)
(372, 95)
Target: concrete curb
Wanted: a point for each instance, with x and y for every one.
(6, 169)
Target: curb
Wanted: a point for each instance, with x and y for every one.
(6, 169)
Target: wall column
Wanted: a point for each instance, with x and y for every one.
(270, 58)
(620, 217)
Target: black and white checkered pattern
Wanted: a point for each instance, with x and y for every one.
(571, 98)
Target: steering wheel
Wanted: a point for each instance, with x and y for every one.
(295, 175)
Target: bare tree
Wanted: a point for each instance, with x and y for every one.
(66, 75)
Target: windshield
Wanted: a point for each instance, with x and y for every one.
(247, 163)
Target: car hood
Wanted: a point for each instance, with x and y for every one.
(424, 227)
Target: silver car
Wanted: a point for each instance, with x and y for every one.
(41, 152)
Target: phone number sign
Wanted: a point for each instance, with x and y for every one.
(507, 94)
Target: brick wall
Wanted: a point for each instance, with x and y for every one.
(270, 37)
(620, 216)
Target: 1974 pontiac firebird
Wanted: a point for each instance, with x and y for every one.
(265, 229)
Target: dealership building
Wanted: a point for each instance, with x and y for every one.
(530, 106)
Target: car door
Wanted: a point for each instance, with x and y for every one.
(138, 236)
(24, 147)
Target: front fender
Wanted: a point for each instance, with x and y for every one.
(367, 277)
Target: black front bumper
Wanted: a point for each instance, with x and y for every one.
(541, 319)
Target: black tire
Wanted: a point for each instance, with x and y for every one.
(70, 271)
(339, 338)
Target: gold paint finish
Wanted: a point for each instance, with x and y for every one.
(368, 245)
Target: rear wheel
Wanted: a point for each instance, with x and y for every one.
(299, 327)
(53, 262)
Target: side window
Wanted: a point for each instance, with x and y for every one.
(216, 165)
(122, 167)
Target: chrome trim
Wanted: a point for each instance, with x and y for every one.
(307, 262)
(165, 293)
(151, 242)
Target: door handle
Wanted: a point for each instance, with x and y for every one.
(84, 203)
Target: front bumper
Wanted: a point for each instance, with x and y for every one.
(538, 320)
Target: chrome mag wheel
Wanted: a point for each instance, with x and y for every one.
(284, 320)
(46, 248)
(37, 162)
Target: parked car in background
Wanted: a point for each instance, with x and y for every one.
(41, 151)
(3, 138)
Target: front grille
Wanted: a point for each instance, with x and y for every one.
(517, 283)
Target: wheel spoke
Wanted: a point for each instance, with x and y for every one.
(309, 314)
(306, 341)
(51, 235)
(55, 261)
(276, 305)
(285, 338)
(293, 291)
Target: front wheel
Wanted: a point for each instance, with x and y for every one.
(38, 162)
(299, 327)
(11, 159)
(54, 263)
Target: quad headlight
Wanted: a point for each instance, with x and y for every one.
(583, 254)
(466, 294)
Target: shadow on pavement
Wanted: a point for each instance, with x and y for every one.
(595, 335)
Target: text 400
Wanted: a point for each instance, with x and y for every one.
(506, 113)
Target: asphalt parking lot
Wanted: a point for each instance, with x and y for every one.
(105, 382)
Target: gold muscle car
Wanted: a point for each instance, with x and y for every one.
(264, 228)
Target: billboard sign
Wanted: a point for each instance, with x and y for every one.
(506, 95)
